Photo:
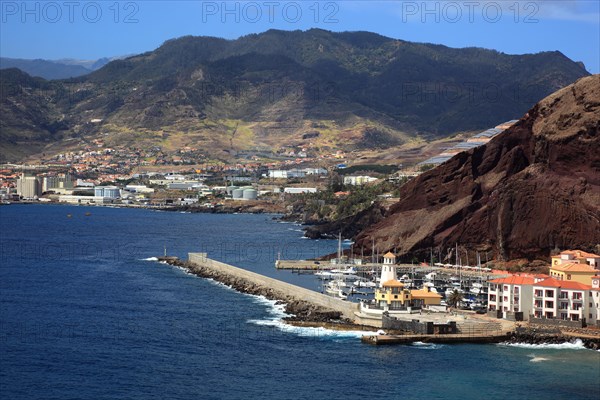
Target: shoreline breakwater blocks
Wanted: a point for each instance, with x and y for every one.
(274, 288)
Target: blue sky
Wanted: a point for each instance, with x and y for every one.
(94, 29)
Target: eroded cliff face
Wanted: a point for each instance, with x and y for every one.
(533, 188)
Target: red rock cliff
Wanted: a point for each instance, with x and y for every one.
(534, 187)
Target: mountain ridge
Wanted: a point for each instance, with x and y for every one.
(278, 85)
(64, 68)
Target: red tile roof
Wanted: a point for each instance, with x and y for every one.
(514, 280)
(580, 253)
(551, 282)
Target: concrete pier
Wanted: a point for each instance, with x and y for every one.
(282, 290)
(443, 339)
(315, 308)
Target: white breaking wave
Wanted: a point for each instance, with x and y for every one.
(537, 359)
(277, 313)
(318, 333)
(575, 345)
(427, 346)
(149, 259)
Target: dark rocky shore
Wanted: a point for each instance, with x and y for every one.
(299, 310)
(543, 335)
(232, 207)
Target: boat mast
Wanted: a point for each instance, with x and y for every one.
(339, 252)
(456, 259)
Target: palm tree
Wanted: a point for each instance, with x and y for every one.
(455, 298)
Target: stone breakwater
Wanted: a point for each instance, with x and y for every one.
(299, 309)
(535, 335)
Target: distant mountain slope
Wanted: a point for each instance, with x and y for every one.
(531, 189)
(353, 89)
(55, 69)
(44, 68)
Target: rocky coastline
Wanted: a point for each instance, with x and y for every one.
(541, 335)
(299, 310)
(231, 207)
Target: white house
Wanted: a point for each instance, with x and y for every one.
(566, 300)
(358, 180)
(511, 294)
(287, 173)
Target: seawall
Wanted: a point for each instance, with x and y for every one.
(201, 265)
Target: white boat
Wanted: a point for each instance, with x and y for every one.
(343, 277)
(346, 271)
(449, 291)
(334, 288)
(430, 276)
(475, 290)
(365, 284)
(324, 274)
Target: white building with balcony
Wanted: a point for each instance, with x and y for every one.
(511, 295)
(111, 192)
(565, 300)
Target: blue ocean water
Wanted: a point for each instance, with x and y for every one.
(85, 315)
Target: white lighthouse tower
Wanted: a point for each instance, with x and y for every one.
(388, 270)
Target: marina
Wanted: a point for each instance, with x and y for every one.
(422, 316)
(356, 281)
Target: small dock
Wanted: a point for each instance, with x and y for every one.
(441, 339)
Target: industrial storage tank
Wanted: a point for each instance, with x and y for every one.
(237, 193)
(250, 194)
(230, 189)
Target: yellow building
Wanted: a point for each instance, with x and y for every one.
(393, 296)
(425, 297)
(574, 271)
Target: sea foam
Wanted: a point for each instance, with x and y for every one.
(537, 359)
(427, 346)
(275, 320)
(574, 345)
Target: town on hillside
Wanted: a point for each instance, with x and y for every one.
(99, 175)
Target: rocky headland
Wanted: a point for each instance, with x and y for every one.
(532, 189)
